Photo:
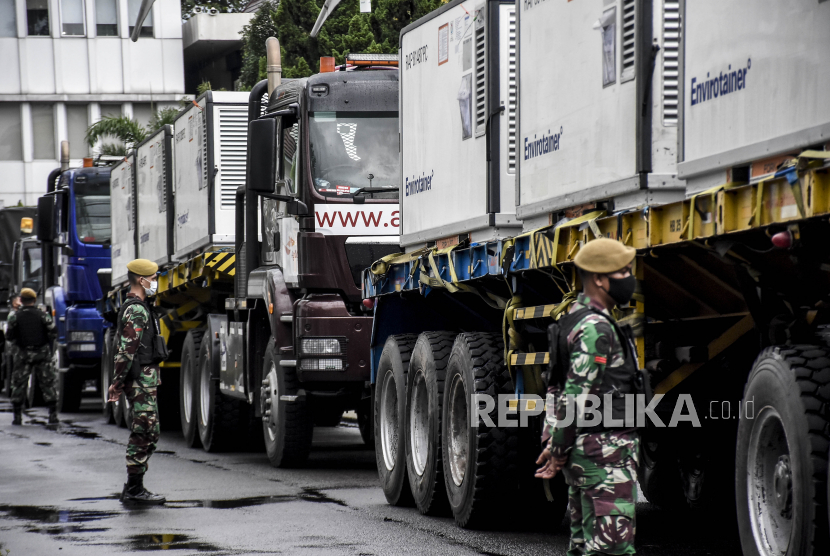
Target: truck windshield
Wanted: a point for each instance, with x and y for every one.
(31, 268)
(351, 150)
(92, 213)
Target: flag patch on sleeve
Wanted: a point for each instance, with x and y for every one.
(601, 360)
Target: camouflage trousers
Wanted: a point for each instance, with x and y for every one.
(144, 428)
(37, 361)
(602, 477)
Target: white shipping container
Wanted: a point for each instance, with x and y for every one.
(122, 208)
(210, 142)
(596, 122)
(153, 175)
(754, 83)
(457, 74)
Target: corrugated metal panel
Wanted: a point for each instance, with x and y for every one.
(512, 94)
(233, 140)
(628, 39)
(671, 60)
(481, 81)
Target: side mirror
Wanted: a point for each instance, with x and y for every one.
(46, 218)
(262, 156)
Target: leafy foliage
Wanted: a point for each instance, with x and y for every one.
(162, 117)
(346, 30)
(127, 131)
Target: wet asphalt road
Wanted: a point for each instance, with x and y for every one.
(59, 488)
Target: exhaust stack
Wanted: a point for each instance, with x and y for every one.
(64, 156)
(273, 60)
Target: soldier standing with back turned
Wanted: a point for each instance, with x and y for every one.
(31, 333)
(599, 462)
(137, 373)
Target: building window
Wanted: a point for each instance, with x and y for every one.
(106, 18)
(72, 18)
(11, 147)
(43, 131)
(37, 17)
(77, 121)
(8, 20)
(133, 7)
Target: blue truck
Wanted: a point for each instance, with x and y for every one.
(74, 231)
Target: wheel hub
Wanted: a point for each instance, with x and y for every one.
(389, 421)
(419, 423)
(783, 482)
(270, 398)
(459, 431)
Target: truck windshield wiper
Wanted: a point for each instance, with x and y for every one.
(358, 195)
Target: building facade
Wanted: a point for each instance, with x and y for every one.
(66, 63)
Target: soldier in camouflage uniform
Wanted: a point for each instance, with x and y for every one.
(31, 333)
(599, 462)
(137, 374)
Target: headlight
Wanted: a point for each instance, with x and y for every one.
(320, 346)
(321, 364)
(82, 337)
(83, 347)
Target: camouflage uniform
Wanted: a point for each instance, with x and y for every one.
(602, 467)
(37, 359)
(141, 393)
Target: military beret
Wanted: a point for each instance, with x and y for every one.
(28, 293)
(604, 256)
(142, 267)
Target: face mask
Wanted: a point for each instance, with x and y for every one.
(621, 289)
(152, 289)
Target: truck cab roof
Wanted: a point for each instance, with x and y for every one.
(357, 91)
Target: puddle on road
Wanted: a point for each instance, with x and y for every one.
(52, 521)
(308, 495)
(43, 443)
(166, 452)
(113, 496)
(169, 542)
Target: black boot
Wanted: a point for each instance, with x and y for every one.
(53, 414)
(18, 414)
(134, 492)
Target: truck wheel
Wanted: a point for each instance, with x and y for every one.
(107, 360)
(286, 420)
(188, 387)
(781, 459)
(69, 391)
(34, 396)
(425, 396)
(219, 417)
(480, 462)
(659, 477)
(390, 418)
(366, 421)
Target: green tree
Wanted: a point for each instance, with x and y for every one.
(346, 30)
(127, 131)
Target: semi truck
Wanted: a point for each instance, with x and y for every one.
(280, 199)
(74, 233)
(665, 126)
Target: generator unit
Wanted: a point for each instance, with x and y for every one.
(735, 129)
(209, 147)
(458, 123)
(122, 207)
(599, 122)
(154, 171)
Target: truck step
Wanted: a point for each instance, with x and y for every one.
(538, 312)
(539, 358)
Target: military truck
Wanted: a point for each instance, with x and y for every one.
(621, 107)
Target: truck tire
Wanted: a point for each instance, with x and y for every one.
(659, 477)
(390, 418)
(34, 396)
(286, 420)
(188, 387)
(480, 462)
(107, 360)
(70, 389)
(425, 396)
(220, 418)
(782, 449)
